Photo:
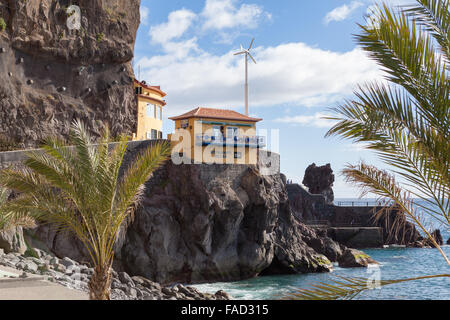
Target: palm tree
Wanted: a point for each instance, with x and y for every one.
(10, 220)
(405, 120)
(81, 189)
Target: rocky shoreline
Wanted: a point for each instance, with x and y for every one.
(73, 275)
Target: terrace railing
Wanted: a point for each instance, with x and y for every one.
(362, 203)
(237, 141)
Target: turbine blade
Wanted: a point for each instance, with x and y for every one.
(251, 44)
(238, 53)
(252, 58)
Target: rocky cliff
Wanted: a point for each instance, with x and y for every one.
(208, 223)
(51, 74)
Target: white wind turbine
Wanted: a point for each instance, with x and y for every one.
(246, 54)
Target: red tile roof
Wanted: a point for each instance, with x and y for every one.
(215, 114)
(154, 88)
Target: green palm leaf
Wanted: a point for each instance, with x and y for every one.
(405, 122)
(79, 188)
(344, 288)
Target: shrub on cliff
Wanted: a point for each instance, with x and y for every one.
(2, 25)
(78, 188)
(405, 121)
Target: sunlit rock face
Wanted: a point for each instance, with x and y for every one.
(208, 223)
(52, 74)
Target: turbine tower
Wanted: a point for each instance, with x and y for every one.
(246, 54)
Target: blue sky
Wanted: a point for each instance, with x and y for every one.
(307, 63)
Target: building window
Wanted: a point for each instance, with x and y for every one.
(149, 110)
(184, 123)
(159, 134)
(154, 134)
(148, 135)
(218, 131)
(232, 132)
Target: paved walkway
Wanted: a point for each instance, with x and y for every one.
(13, 287)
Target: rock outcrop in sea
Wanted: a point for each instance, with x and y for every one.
(319, 180)
(52, 74)
(352, 258)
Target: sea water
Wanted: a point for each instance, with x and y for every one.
(395, 263)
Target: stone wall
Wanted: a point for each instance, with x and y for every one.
(314, 208)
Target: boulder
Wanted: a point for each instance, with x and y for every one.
(448, 241)
(126, 279)
(352, 258)
(222, 295)
(67, 262)
(12, 240)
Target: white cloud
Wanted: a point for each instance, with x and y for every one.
(342, 12)
(178, 23)
(145, 13)
(289, 74)
(315, 120)
(224, 14)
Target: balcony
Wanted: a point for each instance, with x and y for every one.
(236, 141)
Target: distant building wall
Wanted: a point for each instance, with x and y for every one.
(217, 154)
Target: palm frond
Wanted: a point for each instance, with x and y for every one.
(9, 219)
(381, 183)
(408, 56)
(434, 15)
(78, 187)
(345, 288)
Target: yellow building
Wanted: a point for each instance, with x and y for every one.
(208, 135)
(149, 110)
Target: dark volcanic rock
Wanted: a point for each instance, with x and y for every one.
(319, 180)
(396, 229)
(209, 223)
(353, 258)
(307, 206)
(57, 74)
(437, 236)
(216, 223)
